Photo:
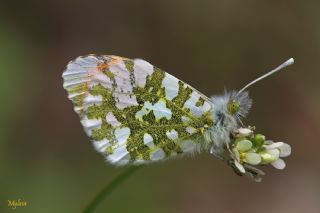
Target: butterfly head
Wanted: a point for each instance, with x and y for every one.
(230, 108)
(238, 104)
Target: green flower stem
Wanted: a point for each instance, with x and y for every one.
(109, 188)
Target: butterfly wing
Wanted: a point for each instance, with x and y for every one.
(134, 112)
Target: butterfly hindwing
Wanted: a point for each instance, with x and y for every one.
(134, 112)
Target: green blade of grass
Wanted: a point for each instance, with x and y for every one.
(109, 188)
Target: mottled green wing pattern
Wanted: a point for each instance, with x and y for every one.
(134, 112)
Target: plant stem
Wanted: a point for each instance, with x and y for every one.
(109, 188)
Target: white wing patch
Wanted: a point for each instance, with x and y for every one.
(148, 140)
(90, 124)
(92, 99)
(191, 130)
(142, 69)
(100, 78)
(158, 154)
(191, 104)
(122, 134)
(124, 100)
(173, 134)
(101, 146)
(159, 110)
(112, 120)
(121, 76)
(170, 84)
(120, 156)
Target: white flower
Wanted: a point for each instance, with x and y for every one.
(249, 150)
(273, 153)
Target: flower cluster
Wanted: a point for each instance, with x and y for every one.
(249, 149)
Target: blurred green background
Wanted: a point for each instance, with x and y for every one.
(46, 159)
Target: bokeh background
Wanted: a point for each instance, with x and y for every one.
(45, 157)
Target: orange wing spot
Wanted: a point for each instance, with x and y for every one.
(102, 67)
(115, 60)
(111, 61)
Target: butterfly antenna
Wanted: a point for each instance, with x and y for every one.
(285, 64)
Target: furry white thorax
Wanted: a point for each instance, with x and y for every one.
(225, 122)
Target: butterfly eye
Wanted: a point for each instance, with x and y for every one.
(233, 107)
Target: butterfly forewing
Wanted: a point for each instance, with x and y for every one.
(134, 112)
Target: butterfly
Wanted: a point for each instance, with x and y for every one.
(136, 113)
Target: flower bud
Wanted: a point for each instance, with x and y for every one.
(244, 145)
(252, 158)
(244, 132)
(258, 140)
